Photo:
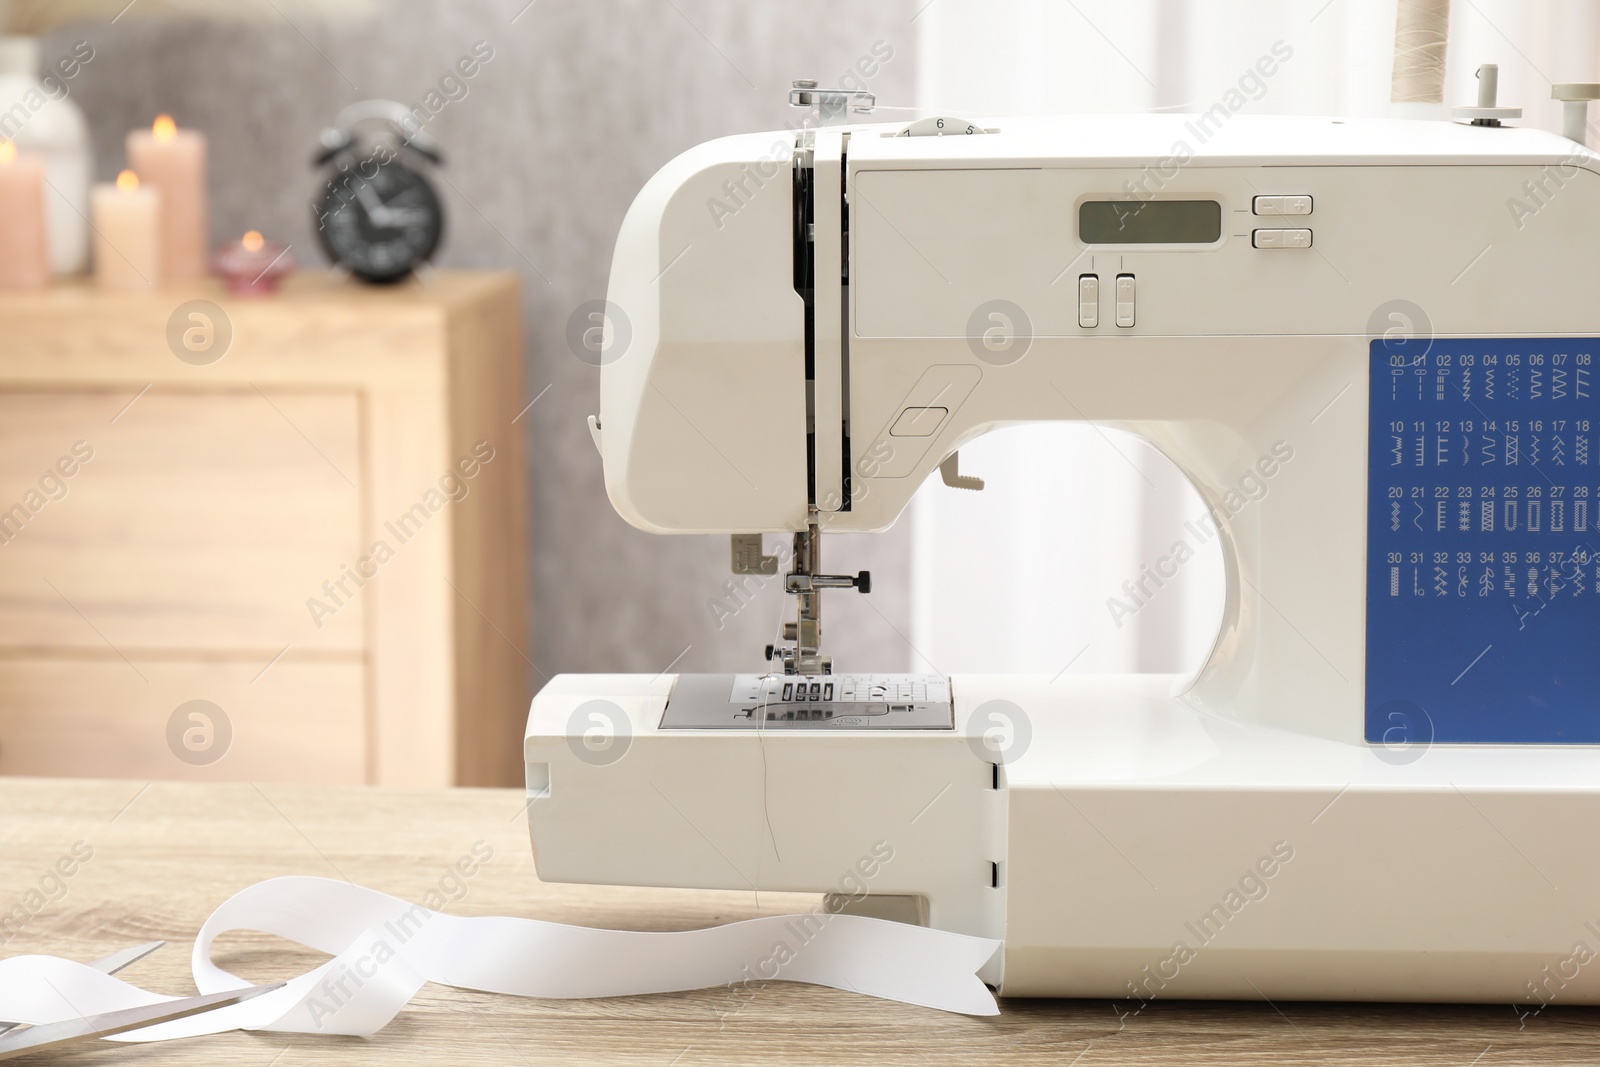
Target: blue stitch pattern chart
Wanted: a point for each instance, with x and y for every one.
(1483, 541)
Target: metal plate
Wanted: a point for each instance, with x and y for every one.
(809, 702)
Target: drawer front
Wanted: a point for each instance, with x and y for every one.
(102, 717)
(189, 521)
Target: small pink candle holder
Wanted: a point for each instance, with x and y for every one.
(252, 265)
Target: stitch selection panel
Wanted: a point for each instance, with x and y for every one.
(1483, 558)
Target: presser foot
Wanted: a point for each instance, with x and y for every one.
(795, 662)
(803, 582)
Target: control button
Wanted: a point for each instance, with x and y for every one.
(1282, 205)
(1125, 300)
(1281, 238)
(1088, 301)
(918, 422)
(788, 690)
(816, 690)
(827, 691)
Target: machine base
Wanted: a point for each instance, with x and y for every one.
(1125, 844)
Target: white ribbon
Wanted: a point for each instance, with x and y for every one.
(384, 949)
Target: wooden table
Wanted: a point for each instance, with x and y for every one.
(164, 855)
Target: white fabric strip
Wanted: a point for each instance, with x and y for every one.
(384, 949)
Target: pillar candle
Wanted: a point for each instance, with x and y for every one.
(127, 239)
(173, 162)
(24, 257)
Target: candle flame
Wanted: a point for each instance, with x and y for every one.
(127, 181)
(8, 151)
(164, 128)
(252, 241)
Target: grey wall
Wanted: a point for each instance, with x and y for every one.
(580, 104)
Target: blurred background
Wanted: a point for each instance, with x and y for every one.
(571, 108)
(544, 151)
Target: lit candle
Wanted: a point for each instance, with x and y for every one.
(252, 265)
(127, 238)
(24, 258)
(173, 162)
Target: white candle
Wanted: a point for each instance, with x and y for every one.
(24, 256)
(173, 162)
(127, 242)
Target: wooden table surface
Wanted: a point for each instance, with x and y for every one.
(165, 854)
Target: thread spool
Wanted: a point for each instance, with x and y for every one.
(1421, 30)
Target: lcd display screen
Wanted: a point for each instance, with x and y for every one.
(1149, 222)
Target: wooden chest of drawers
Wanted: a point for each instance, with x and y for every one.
(320, 533)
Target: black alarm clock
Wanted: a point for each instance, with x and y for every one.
(377, 216)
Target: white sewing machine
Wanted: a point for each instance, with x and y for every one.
(1384, 782)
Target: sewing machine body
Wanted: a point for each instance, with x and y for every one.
(1243, 833)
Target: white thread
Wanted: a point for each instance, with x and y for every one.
(1421, 29)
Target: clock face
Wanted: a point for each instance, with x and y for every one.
(380, 227)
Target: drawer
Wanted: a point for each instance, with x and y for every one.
(100, 717)
(199, 521)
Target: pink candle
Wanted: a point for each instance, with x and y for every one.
(252, 265)
(173, 162)
(127, 240)
(24, 259)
